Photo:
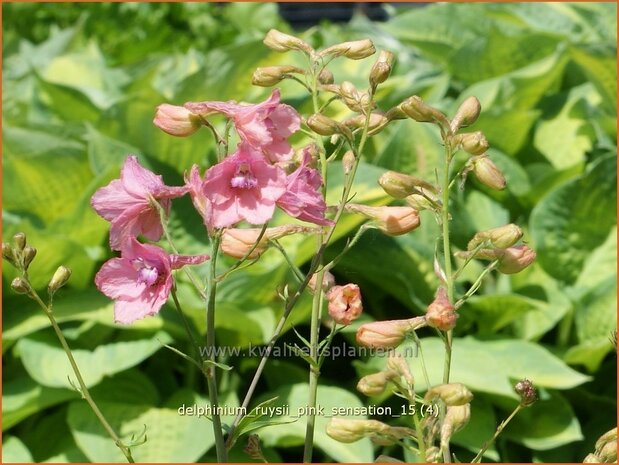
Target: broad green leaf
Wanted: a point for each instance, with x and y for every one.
(494, 311)
(567, 137)
(47, 363)
(479, 429)
(547, 424)
(130, 386)
(104, 152)
(23, 397)
(329, 398)
(600, 264)
(170, 437)
(574, 219)
(600, 67)
(492, 366)
(14, 451)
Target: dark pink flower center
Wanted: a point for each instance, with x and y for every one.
(243, 178)
(148, 275)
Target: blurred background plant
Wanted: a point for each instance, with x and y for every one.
(81, 83)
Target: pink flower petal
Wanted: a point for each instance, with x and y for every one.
(137, 180)
(111, 200)
(178, 261)
(117, 280)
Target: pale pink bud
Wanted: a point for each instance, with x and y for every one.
(387, 334)
(400, 185)
(467, 114)
(414, 107)
(393, 221)
(237, 242)
(176, 120)
(377, 122)
(328, 281)
(398, 364)
(345, 303)
(452, 394)
(349, 430)
(501, 237)
(456, 418)
(441, 314)
(354, 99)
(348, 161)
(326, 126)
(488, 173)
(516, 259)
(382, 68)
(355, 50)
(281, 42)
(376, 383)
(474, 143)
(270, 75)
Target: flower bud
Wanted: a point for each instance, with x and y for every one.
(441, 314)
(390, 436)
(353, 98)
(467, 114)
(59, 279)
(501, 237)
(345, 303)
(422, 202)
(396, 113)
(516, 259)
(20, 286)
(474, 143)
(326, 126)
(253, 448)
(398, 364)
(452, 394)
(355, 50)
(525, 389)
(606, 447)
(488, 173)
(399, 185)
(237, 242)
(19, 240)
(376, 383)
(393, 221)
(348, 430)
(328, 281)
(433, 454)
(176, 121)
(414, 107)
(387, 334)
(270, 75)
(456, 418)
(8, 253)
(326, 77)
(281, 42)
(348, 161)
(376, 124)
(28, 255)
(382, 68)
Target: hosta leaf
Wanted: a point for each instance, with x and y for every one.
(14, 451)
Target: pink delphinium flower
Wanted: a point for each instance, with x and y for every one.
(195, 185)
(266, 125)
(345, 303)
(303, 198)
(128, 203)
(140, 280)
(243, 187)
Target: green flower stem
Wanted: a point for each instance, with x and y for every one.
(447, 256)
(498, 431)
(83, 389)
(476, 285)
(211, 377)
(420, 441)
(314, 372)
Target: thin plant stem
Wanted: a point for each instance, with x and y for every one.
(211, 376)
(447, 257)
(83, 389)
(186, 325)
(295, 269)
(420, 441)
(476, 285)
(498, 431)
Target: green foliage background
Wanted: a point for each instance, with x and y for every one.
(80, 87)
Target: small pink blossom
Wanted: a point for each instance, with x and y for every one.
(303, 198)
(243, 187)
(140, 280)
(345, 303)
(264, 126)
(128, 203)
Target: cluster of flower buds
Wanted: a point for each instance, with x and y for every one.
(19, 253)
(525, 389)
(605, 449)
(351, 430)
(397, 373)
(499, 244)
